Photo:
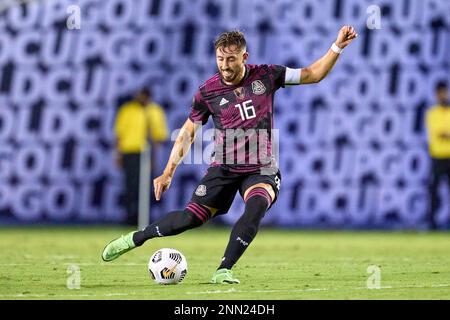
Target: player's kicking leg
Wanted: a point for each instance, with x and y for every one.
(171, 224)
(258, 199)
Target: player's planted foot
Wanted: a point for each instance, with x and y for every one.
(117, 247)
(224, 276)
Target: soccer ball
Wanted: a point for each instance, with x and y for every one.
(167, 266)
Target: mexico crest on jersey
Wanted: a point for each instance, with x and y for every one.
(258, 87)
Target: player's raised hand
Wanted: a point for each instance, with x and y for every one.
(345, 36)
(161, 184)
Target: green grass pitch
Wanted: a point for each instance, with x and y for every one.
(278, 265)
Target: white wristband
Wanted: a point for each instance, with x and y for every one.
(336, 49)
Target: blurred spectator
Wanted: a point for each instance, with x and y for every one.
(438, 126)
(138, 121)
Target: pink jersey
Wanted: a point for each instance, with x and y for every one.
(242, 115)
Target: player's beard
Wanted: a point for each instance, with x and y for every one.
(229, 75)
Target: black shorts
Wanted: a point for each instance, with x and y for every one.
(218, 187)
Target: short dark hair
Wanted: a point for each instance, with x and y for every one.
(441, 85)
(145, 91)
(229, 38)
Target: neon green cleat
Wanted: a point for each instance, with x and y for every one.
(118, 247)
(224, 276)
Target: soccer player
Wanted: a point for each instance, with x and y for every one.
(240, 100)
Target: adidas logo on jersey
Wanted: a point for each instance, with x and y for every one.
(223, 101)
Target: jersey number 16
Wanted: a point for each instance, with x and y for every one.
(247, 110)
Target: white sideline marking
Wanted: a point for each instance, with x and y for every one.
(56, 296)
(233, 290)
(61, 257)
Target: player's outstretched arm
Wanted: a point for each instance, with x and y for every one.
(181, 146)
(319, 69)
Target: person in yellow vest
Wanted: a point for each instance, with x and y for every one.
(438, 126)
(137, 122)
